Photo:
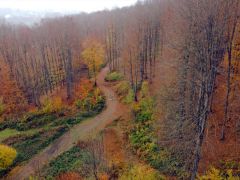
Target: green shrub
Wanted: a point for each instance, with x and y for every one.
(103, 65)
(141, 137)
(88, 106)
(129, 97)
(144, 109)
(144, 90)
(7, 156)
(69, 121)
(113, 76)
(94, 101)
(143, 116)
(81, 104)
(35, 121)
(122, 88)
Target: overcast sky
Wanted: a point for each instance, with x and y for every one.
(64, 5)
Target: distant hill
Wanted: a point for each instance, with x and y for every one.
(16, 16)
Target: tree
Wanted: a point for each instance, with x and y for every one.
(93, 56)
(204, 44)
(233, 8)
(95, 149)
(12, 98)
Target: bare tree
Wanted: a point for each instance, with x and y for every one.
(233, 8)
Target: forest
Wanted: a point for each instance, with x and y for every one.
(144, 92)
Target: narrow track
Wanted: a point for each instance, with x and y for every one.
(83, 130)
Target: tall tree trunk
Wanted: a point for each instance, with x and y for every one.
(226, 106)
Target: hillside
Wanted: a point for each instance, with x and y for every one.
(143, 92)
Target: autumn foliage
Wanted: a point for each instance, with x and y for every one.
(198, 111)
(12, 100)
(69, 176)
(93, 56)
(53, 105)
(141, 172)
(88, 97)
(7, 156)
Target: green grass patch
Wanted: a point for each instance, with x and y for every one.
(74, 160)
(7, 133)
(113, 77)
(28, 145)
(31, 145)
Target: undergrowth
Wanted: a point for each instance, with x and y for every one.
(113, 77)
(214, 173)
(46, 125)
(74, 160)
(143, 136)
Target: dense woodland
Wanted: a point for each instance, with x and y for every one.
(200, 39)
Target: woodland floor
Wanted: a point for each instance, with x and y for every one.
(214, 150)
(82, 131)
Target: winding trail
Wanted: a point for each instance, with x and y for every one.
(83, 130)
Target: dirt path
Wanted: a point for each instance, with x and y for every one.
(79, 132)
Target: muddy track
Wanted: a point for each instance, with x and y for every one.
(79, 132)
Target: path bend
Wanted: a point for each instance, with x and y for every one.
(70, 138)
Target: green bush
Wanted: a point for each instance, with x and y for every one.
(144, 109)
(141, 138)
(69, 121)
(94, 101)
(143, 116)
(86, 105)
(144, 90)
(113, 76)
(35, 121)
(122, 88)
(129, 97)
